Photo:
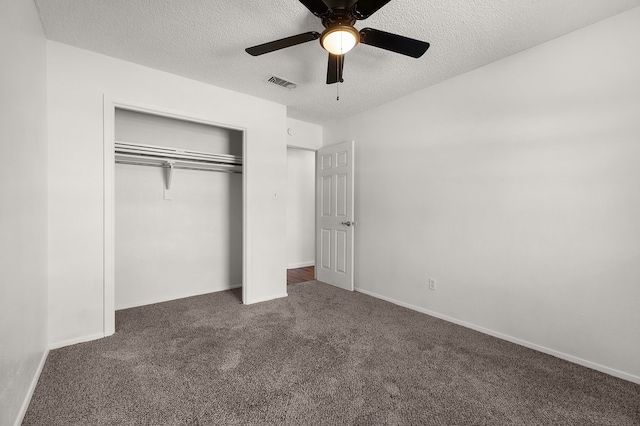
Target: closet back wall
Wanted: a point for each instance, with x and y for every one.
(191, 244)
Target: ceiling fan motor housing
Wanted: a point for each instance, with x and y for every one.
(339, 17)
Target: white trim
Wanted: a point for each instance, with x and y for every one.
(246, 259)
(177, 297)
(302, 148)
(301, 264)
(109, 106)
(75, 340)
(31, 389)
(266, 299)
(109, 316)
(557, 354)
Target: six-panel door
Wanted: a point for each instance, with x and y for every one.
(334, 217)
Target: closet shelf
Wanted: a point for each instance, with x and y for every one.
(161, 156)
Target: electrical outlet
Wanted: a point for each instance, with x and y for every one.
(432, 283)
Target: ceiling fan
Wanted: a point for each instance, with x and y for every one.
(339, 36)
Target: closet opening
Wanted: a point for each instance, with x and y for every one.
(177, 208)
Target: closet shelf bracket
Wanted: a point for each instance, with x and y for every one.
(168, 170)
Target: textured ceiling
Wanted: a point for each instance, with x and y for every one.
(205, 41)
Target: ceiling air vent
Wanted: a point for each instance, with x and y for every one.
(281, 82)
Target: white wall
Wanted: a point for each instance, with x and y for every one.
(302, 134)
(77, 81)
(301, 191)
(516, 187)
(23, 206)
(133, 126)
(190, 244)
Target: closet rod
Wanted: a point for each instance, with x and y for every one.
(141, 160)
(155, 151)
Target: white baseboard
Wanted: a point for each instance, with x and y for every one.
(75, 340)
(301, 264)
(266, 299)
(602, 368)
(152, 301)
(32, 388)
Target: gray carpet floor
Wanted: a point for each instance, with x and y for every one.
(321, 356)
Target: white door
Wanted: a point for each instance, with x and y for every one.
(334, 215)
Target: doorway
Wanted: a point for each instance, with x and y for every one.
(300, 215)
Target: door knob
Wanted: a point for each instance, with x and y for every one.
(347, 223)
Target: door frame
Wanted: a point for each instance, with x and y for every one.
(110, 104)
(315, 205)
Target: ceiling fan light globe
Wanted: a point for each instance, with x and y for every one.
(339, 40)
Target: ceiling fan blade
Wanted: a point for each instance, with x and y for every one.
(393, 42)
(365, 8)
(317, 7)
(334, 69)
(272, 46)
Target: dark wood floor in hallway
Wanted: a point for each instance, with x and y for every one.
(300, 275)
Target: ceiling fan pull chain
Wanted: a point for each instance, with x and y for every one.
(338, 91)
